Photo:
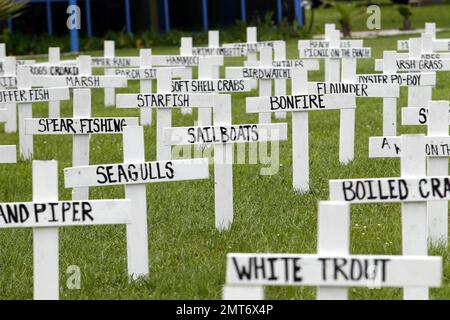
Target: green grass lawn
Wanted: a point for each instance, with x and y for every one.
(187, 254)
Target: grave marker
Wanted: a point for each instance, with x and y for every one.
(221, 136)
(437, 150)
(164, 102)
(412, 190)
(45, 214)
(134, 173)
(300, 103)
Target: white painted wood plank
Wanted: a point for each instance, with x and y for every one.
(85, 125)
(109, 52)
(53, 57)
(45, 240)
(437, 211)
(318, 270)
(139, 172)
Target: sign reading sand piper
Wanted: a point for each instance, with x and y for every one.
(45, 214)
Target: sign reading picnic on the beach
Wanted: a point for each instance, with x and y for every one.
(390, 147)
(63, 213)
(77, 125)
(84, 81)
(332, 270)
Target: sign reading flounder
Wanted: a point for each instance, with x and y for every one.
(239, 133)
(136, 173)
(333, 270)
(34, 95)
(216, 85)
(379, 190)
(64, 213)
(77, 125)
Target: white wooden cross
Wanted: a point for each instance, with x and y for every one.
(437, 150)
(364, 90)
(418, 61)
(413, 189)
(145, 74)
(300, 102)
(320, 49)
(24, 96)
(45, 214)
(134, 173)
(222, 135)
(390, 76)
(81, 126)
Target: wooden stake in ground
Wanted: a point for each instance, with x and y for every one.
(134, 173)
(413, 189)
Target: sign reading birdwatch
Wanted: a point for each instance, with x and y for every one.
(64, 213)
(332, 270)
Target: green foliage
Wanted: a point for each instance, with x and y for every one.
(11, 8)
(405, 11)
